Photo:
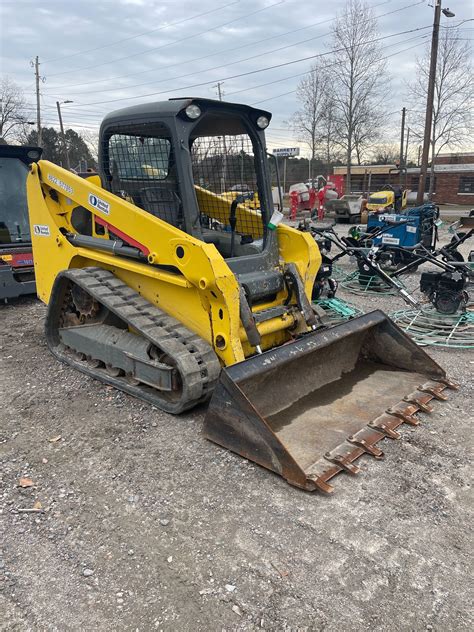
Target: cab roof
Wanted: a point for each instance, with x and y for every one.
(171, 108)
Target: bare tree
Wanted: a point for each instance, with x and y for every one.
(308, 121)
(12, 109)
(453, 123)
(385, 154)
(91, 138)
(367, 130)
(357, 81)
(330, 148)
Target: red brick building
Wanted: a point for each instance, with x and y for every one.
(454, 178)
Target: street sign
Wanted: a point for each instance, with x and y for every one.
(287, 152)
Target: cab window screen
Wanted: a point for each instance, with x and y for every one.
(139, 157)
(142, 169)
(225, 170)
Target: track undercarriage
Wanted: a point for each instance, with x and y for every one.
(102, 327)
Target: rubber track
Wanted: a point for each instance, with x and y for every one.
(194, 358)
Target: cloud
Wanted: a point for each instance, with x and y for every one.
(156, 42)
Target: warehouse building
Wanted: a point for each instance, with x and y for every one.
(454, 178)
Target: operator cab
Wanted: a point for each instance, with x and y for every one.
(198, 164)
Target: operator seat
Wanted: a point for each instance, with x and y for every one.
(163, 203)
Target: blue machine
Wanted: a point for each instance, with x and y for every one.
(419, 225)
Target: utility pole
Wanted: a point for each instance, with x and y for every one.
(406, 147)
(429, 100)
(429, 104)
(38, 110)
(218, 86)
(224, 157)
(402, 143)
(63, 135)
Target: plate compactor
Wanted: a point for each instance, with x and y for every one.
(160, 284)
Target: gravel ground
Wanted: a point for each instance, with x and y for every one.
(145, 525)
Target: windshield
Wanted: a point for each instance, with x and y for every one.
(225, 169)
(14, 224)
(377, 200)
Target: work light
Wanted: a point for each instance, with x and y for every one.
(193, 112)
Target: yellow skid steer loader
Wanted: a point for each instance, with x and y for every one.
(160, 284)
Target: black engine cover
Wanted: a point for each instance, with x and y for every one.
(445, 292)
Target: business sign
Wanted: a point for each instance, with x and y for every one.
(287, 152)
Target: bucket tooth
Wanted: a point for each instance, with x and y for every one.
(420, 400)
(434, 388)
(404, 416)
(321, 472)
(346, 465)
(344, 455)
(448, 383)
(366, 440)
(387, 424)
(404, 407)
(324, 487)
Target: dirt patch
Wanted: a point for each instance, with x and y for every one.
(141, 524)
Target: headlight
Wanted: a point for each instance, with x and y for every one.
(262, 122)
(193, 112)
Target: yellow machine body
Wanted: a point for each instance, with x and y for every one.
(385, 200)
(203, 294)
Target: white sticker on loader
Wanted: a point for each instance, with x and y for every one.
(390, 240)
(100, 205)
(411, 229)
(59, 183)
(41, 230)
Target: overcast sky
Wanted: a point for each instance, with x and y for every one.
(99, 53)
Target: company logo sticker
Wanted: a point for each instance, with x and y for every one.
(59, 183)
(99, 204)
(41, 230)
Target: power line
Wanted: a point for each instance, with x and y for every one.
(252, 72)
(224, 65)
(329, 66)
(127, 39)
(302, 74)
(105, 63)
(455, 26)
(92, 116)
(189, 61)
(93, 112)
(239, 61)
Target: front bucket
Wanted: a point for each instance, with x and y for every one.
(308, 409)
